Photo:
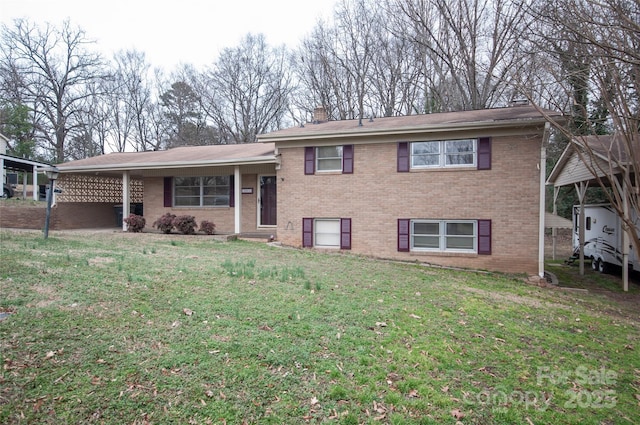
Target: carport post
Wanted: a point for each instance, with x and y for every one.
(237, 194)
(125, 199)
(36, 188)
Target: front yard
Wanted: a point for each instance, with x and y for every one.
(120, 328)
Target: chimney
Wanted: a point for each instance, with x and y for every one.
(519, 102)
(319, 115)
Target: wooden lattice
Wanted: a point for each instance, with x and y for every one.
(79, 188)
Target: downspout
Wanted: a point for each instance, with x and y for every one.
(541, 212)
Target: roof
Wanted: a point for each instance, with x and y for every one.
(517, 116)
(555, 221)
(608, 155)
(16, 163)
(182, 157)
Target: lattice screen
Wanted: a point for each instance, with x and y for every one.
(79, 188)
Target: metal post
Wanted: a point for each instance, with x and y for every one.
(52, 175)
(48, 216)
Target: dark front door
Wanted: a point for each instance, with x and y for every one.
(268, 201)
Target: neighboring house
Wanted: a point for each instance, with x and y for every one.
(461, 189)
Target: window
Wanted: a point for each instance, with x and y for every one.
(328, 159)
(326, 232)
(443, 235)
(468, 153)
(472, 236)
(446, 153)
(202, 191)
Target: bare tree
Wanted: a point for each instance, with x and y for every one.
(52, 68)
(470, 47)
(246, 91)
(607, 34)
(129, 101)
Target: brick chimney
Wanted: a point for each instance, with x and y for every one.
(319, 115)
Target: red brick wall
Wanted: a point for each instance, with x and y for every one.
(375, 196)
(64, 215)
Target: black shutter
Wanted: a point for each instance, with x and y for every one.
(307, 232)
(403, 157)
(404, 225)
(232, 191)
(168, 192)
(484, 237)
(484, 153)
(309, 160)
(345, 233)
(347, 159)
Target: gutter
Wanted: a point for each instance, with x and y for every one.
(170, 164)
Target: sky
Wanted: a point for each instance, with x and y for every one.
(174, 32)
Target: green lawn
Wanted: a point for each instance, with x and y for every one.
(120, 328)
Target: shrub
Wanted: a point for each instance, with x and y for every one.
(185, 224)
(135, 223)
(165, 223)
(207, 227)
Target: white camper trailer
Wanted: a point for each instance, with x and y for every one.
(603, 237)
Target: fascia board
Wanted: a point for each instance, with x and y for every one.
(168, 165)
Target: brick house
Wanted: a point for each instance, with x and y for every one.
(461, 189)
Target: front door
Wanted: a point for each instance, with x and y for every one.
(268, 201)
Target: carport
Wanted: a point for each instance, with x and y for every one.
(591, 161)
(10, 163)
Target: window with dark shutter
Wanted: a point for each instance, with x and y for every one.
(484, 237)
(307, 232)
(345, 233)
(232, 192)
(347, 159)
(404, 225)
(309, 160)
(168, 192)
(484, 153)
(403, 157)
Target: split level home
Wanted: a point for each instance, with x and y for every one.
(459, 189)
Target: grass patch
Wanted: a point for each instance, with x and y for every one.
(134, 328)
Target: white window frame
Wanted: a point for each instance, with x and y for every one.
(320, 159)
(320, 239)
(442, 154)
(443, 237)
(201, 195)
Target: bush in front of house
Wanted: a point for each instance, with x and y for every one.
(207, 227)
(135, 223)
(185, 224)
(165, 223)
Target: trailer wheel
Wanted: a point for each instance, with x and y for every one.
(603, 267)
(595, 264)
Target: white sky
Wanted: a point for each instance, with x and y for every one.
(171, 32)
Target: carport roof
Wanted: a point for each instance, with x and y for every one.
(21, 164)
(182, 157)
(605, 155)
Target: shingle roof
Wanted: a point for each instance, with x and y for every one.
(485, 117)
(185, 156)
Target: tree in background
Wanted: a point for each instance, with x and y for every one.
(15, 124)
(246, 91)
(604, 86)
(50, 69)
